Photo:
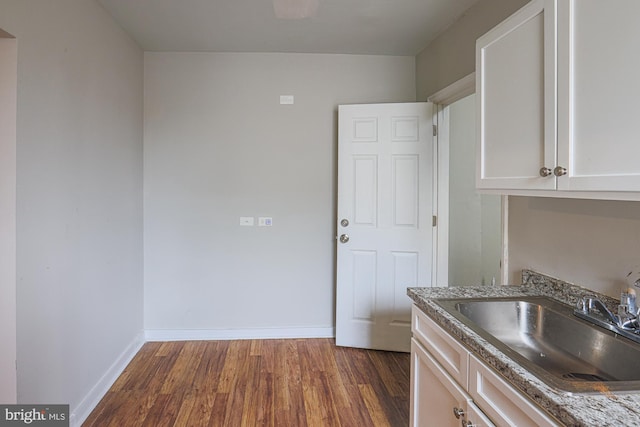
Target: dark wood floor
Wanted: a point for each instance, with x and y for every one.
(290, 383)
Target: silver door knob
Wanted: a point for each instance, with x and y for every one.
(344, 238)
(559, 171)
(545, 172)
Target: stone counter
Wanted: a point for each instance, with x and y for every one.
(601, 408)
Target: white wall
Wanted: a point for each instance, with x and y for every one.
(451, 56)
(8, 86)
(474, 219)
(593, 243)
(79, 197)
(219, 146)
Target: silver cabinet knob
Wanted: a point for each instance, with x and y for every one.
(344, 238)
(545, 172)
(559, 171)
(458, 412)
(344, 222)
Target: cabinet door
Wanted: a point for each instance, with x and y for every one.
(599, 98)
(435, 395)
(516, 95)
(503, 403)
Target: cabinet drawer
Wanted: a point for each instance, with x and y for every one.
(453, 357)
(501, 401)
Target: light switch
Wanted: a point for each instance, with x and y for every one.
(265, 221)
(246, 221)
(286, 99)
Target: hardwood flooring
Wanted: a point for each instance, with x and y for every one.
(290, 383)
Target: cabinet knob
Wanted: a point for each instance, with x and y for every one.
(458, 412)
(545, 172)
(559, 171)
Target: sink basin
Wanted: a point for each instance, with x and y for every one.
(545, 337)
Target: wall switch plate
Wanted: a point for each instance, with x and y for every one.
(246, 221)
(265, 221)
(286, 99)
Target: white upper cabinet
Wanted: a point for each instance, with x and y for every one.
(558, 100)
(599, 94)
(516, 95)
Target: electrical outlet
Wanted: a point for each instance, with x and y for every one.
(265, 221)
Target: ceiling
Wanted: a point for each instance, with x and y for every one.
(373, 27)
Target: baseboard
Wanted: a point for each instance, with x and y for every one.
(236, 334)
(80, 413)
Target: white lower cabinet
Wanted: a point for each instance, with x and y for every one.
(437, 400)
(441, 396)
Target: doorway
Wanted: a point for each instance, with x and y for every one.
(474, 218)
(473, 226)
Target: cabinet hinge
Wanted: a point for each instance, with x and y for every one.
(435, 130)
(434, 221)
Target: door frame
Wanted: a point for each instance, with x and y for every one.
(442, 100)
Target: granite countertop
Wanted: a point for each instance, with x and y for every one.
(602, 408)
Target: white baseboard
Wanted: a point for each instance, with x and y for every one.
(80, 413)
(236, 334)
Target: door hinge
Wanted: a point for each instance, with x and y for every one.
(434, 221)
(435, 130)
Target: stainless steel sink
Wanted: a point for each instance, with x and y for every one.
(546, 338)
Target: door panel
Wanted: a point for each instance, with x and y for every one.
(385, 185)
(517, 120)
(598, 95)
(365, 191)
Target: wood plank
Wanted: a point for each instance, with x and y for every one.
(183, 370)
(251, 398)
(202, 409)
(218, 412)
(373, 406)
(234, 381)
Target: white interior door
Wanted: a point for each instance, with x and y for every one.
(385, 229)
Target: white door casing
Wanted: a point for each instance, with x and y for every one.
(385, 193)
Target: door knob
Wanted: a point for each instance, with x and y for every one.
(344, 238)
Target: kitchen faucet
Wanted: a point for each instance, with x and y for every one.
(589, 302)
(625, 323)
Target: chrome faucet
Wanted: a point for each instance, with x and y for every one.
(589, 302)
(595, 311)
